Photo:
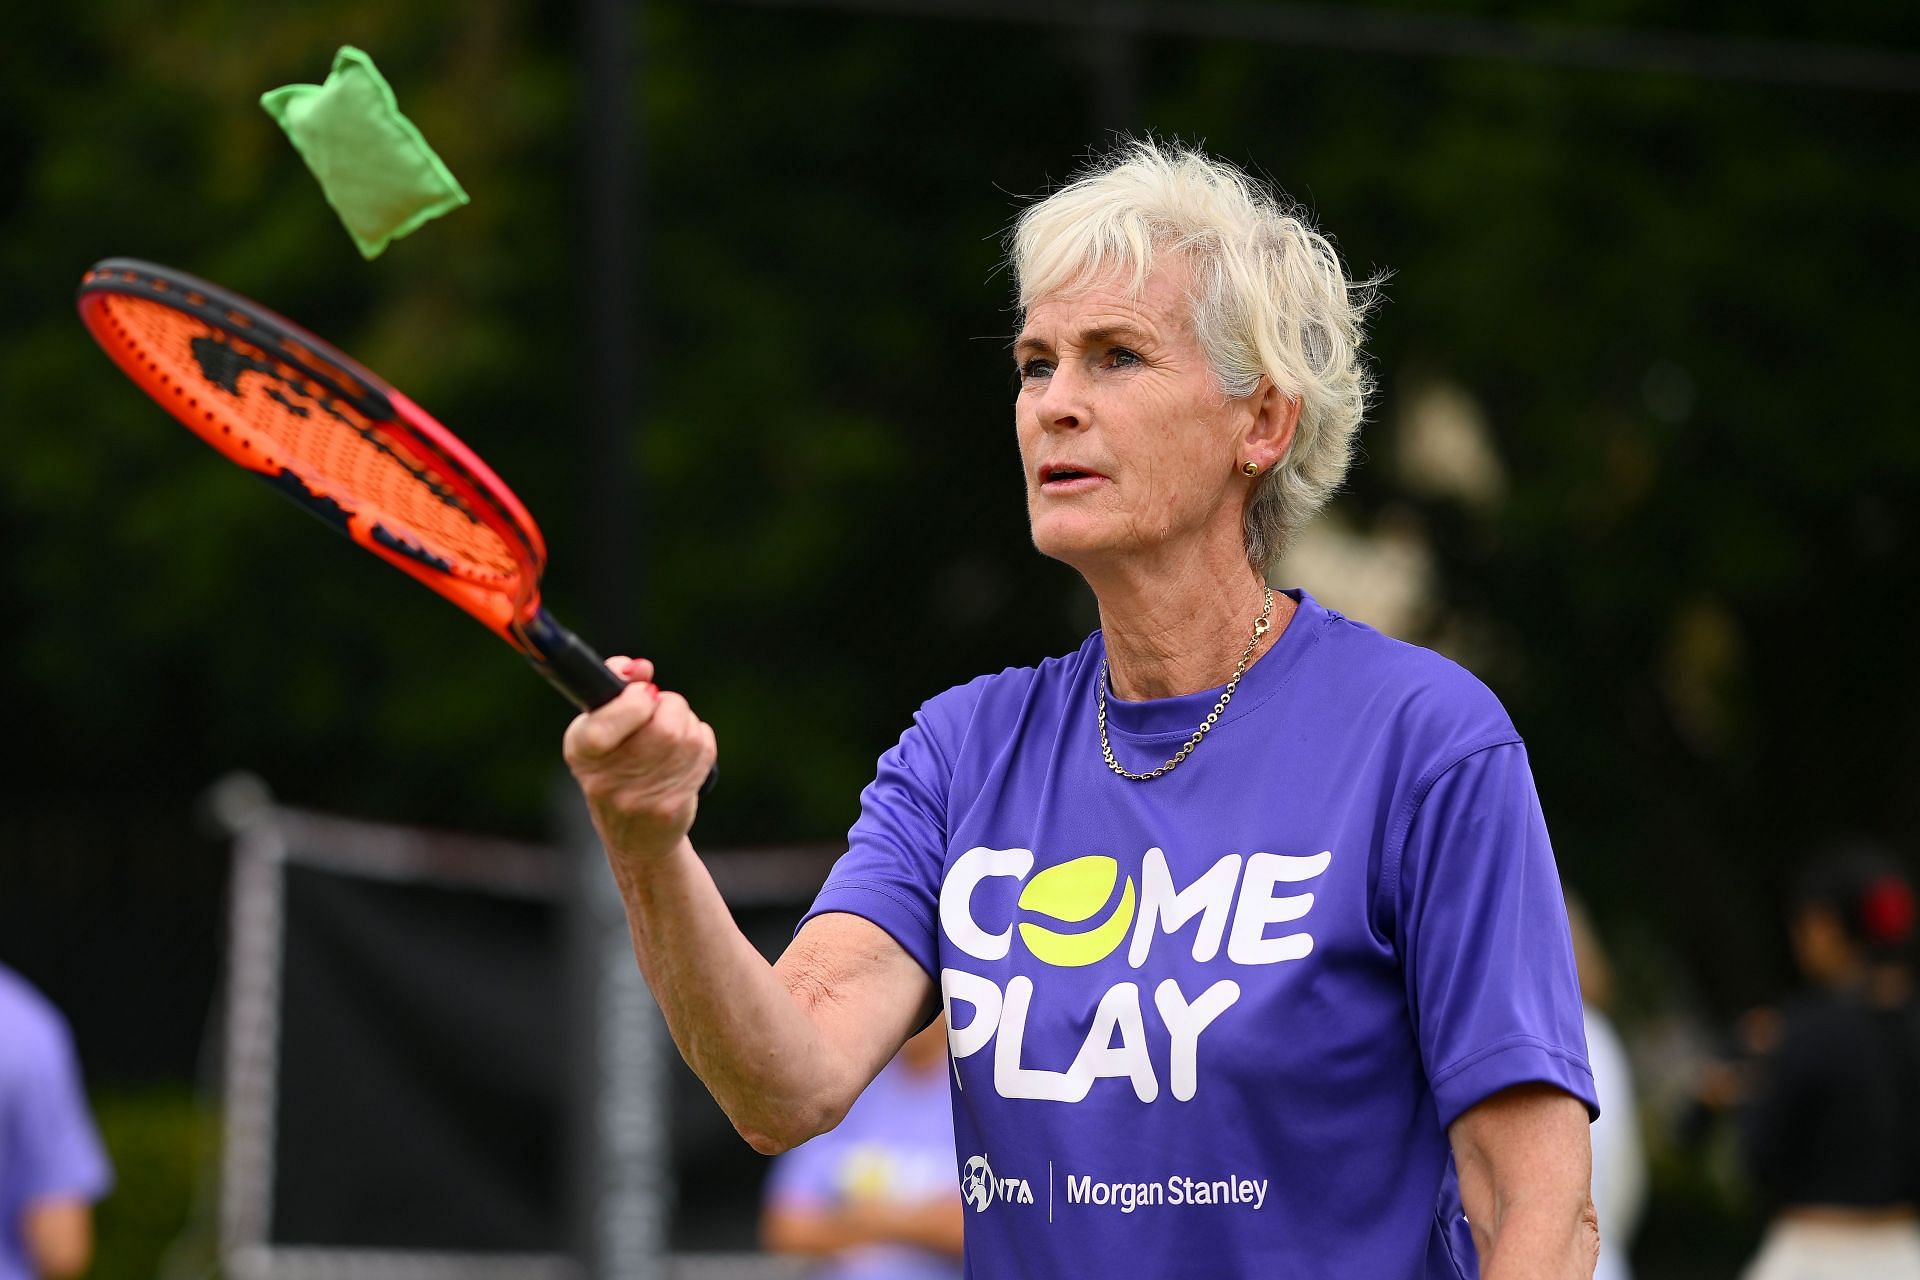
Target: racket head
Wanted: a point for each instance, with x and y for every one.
(327, 432)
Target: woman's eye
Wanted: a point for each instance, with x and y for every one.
(1120, 357)
(1035, 368)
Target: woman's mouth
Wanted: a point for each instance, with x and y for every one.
(1065, 477)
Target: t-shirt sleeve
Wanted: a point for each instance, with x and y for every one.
(1485, 944)
(56, 1147)
(890, 873)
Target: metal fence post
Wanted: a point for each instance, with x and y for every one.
(622, 1184)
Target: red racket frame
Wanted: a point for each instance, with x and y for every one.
(509, 605)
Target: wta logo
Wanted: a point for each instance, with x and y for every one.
(980, 1188)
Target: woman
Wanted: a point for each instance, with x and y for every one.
(52, 1165)
(1832, 1127)
(1243, 916)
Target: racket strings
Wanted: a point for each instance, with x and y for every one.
(313, 443)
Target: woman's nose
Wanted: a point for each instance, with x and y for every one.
(1062, 405)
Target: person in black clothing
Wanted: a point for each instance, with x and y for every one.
(1831, 1122)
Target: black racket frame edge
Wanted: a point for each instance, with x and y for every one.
(566, 661)
(345, 377)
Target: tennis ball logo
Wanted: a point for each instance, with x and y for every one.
(1070, 893)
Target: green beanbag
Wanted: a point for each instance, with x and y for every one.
(378, 173)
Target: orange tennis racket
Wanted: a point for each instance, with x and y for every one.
(346, 446)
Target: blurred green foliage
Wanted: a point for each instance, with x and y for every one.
(159, 1221)
(1684, 305)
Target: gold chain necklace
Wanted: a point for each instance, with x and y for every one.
(1260, 625)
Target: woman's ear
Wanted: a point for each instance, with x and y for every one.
(1270, 431)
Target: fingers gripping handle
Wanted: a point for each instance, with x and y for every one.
(579, 673)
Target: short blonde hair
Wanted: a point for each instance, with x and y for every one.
(1270, 300)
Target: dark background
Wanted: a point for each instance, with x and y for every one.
(1663, 251)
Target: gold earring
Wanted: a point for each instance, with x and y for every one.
(1251, 468)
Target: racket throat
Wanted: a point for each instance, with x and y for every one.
(567, 662)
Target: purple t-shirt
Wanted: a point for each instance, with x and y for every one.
(48, 1147)
(1217, 1024)
(896, 1144)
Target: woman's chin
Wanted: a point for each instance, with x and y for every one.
(1074, 542)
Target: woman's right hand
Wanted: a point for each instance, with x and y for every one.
(640, 761)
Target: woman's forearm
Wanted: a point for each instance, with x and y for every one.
(734, 1018)
(1526, 1178)
(936, 1225)
(1540, 1240)
(776, 1046)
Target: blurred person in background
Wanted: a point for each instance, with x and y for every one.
(1248, 911)
(1619, 1158)
(877, 1196)
(52, 1167)
(1830, 1118)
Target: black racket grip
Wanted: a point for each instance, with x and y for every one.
(581, 675)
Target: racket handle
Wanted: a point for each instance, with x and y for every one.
(581, 675)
